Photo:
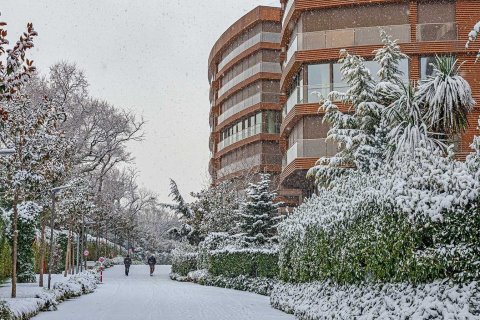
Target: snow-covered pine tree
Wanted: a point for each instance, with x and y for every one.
(361, 132)
(258, 213)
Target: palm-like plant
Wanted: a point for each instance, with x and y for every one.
(445, 98)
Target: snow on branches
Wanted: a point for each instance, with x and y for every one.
(390, 119)
(258, 213)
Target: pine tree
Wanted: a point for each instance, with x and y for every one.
(258, 213)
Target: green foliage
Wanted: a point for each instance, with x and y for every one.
(258, 214)
(386, 248)
(183, 261)
(25, 262)
(248, 262)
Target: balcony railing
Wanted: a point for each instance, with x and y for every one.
(247, 103)
(260, 37)
(342, 38)
(271, 67)
(288, 7)
(245, 133)
(369, 36)
(249, 163)
(437, 32)
(310, 94)
(310, 148)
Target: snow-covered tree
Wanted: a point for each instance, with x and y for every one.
(213, 210)
(445, 98)
(390, 119)
(473, 35)
(217, 207)
(15, 72)
(361, 132)
(258, 213)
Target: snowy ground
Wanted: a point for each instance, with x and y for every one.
(140, 296)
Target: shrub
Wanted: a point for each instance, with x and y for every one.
(183, 261)
(413, 221)
(244, 262)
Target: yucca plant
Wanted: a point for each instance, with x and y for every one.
(445, 98)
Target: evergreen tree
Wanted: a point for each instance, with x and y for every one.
(258, 213)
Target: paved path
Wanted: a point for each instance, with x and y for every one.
(141, 297)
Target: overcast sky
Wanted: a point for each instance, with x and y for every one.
(148, 56)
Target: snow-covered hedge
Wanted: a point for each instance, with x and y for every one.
(184, 261)
(324, 300)
(252, 262)
(263, 286)
(36, 299)
(413, 220)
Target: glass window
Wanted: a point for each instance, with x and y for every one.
(318, 81)
(426, 67)
(338, 83)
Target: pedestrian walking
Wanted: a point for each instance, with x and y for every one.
(152, 262)
(127, 262)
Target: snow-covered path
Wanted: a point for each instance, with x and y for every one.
(140, 296)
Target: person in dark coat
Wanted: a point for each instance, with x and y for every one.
(152, 262)
(127, 262)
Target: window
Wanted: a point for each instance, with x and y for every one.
(318, 81)
(426, 67)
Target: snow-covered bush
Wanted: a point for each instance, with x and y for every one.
(258, 285)
(414, 220)
(184, 260)
(252, 262)
(324, 300)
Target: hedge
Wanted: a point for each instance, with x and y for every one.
(244, 262)
(386, 248)
(183, 262)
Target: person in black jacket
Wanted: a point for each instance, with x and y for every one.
(127, 262)
(152, 262)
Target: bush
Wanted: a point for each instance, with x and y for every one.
(244, 262)
(183, 261)
(415, 222)
(325, 300)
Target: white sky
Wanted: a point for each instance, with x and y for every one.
(149, 56)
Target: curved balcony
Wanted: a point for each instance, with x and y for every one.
(269, 37)
(270, 67)
(244, 134)
(343, 38)
(286, 11)
(268, 97)
(309, 148)
(248, 164)
(310, 94)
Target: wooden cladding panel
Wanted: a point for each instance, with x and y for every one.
(246, 54)
(467, 15)
(413, 19)
(249, 20)
(414, 68)
(303, 5)
(270, 168)
(295, 165)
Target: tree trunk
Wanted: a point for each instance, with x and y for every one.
(42, 250)
(14, 245)
(67, 256)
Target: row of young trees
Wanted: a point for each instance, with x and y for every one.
(59, 143)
